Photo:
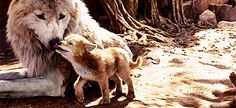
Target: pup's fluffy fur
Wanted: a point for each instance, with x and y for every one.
(98, 65)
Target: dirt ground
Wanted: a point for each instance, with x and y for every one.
(172, 76)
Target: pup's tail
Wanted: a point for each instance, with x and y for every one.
(135, 64)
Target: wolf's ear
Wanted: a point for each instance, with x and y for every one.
(90, 46)
(75, 3)
(12, 4)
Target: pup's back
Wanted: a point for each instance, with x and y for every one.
(124, 55)
(119, 56)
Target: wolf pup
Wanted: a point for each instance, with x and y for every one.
(98, 65)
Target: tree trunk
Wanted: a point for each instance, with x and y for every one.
(178, 12)
(4, 46)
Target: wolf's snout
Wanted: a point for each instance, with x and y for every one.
(54, 42)
(55, 37)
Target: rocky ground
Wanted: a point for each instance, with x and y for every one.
(172, 76)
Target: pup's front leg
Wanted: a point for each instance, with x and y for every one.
(104, 86)
(78, 86)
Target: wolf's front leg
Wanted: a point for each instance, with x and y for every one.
(13, 74)
(48, 85)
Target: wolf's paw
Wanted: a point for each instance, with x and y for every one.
(227, 104)
(105, 101)
(217, 93)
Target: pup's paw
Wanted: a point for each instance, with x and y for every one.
(80, 99)
(118, 93)
(105, 101)
(130, 95)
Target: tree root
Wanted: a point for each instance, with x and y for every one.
(122, 21)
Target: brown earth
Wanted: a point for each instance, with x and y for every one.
(173, 76)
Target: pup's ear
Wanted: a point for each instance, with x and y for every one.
(90, 46)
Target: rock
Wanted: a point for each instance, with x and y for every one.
(200, 6)
(218, 1)
(194, 11)
(226, 24)
(207, 18)
(224, 12)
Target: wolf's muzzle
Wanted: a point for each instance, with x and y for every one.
(53, 42)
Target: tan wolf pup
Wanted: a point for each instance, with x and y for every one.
(98, 65)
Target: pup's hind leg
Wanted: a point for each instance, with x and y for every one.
(118, 85)
(104, 86)
(124, 74)
(78, 86)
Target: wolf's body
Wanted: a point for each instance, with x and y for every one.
(31, 25)
(98, 64)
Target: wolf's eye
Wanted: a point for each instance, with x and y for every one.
(61, 16)
(41, 16)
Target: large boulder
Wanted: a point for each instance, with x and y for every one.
(224, 12)
(207, 18)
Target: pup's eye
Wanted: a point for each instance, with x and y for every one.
(70, 43)
(61, 16)
(41, 16)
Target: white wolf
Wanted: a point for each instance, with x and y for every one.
(32, 25)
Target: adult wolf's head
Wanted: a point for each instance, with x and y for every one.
(42, 19)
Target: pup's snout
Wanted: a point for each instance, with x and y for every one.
(59, 43)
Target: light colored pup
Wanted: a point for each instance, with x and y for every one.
(98, 65)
